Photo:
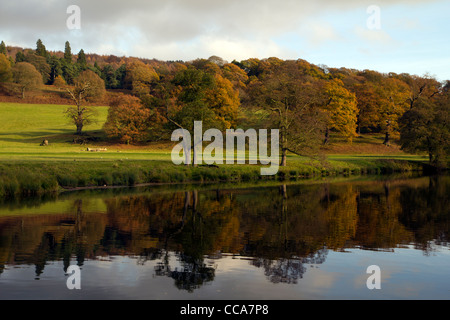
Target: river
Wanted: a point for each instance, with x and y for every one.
(313, 239)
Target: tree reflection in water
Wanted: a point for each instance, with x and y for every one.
(288, 270)
(281, 229)
(192, 274)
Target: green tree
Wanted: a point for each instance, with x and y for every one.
(41, 65)
(192, 85)
(68, 53)
(81, 60)
(210, 91)
(291, 100)
(88, 86)
(120, 75)
(425, 127)
(20, 57)
(3, 48)
(69, 72)
(40, 49)
(55, 68)
(26, 76)
(109, 76)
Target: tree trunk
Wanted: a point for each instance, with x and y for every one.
(327, 136)
(283, 157)
(386, 139)
(388, 134)
(194, 152)
(283, 147)
(79, 129)
(23, 93)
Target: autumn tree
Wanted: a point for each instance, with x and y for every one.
(341, 110)
(199, 95)
(88, 86)
(139, 77)
(419, 87)
(217, 60)
(128, 119)
(363, 85)
(224, 101)
(5, 68)
(26, 76)
(59, 82)
(394, 94)
(203, 95)
(236, 75)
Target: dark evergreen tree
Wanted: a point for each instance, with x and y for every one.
(40, 49)
(20, 57)
(55, 68)
(3, 48)
(109, 76)
(67, 53)
(81, 60)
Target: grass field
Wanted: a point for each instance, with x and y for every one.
(65, 164)
(24, 126)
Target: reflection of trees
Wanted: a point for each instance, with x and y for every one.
(426, 211)
(286, 270)
(196, 234)
(281, 270)
(41, 238)
(278, 226)
(192, 274)
(378, 225)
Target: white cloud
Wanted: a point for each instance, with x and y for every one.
(233, 29)
(319, 32)
(374, 36)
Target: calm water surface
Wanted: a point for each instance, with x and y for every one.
(311, 240)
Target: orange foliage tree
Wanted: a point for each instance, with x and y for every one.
(128, 119)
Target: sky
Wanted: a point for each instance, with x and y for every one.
(398, 36)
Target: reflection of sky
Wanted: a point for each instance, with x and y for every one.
(405, 273)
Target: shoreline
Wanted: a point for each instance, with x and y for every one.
(30, 178)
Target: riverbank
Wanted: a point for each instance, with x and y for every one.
(37, 177)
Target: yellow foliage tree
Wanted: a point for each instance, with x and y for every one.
(341, 108)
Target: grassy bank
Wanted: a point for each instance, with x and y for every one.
(35, 177)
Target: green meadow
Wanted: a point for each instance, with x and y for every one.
(27, 167)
